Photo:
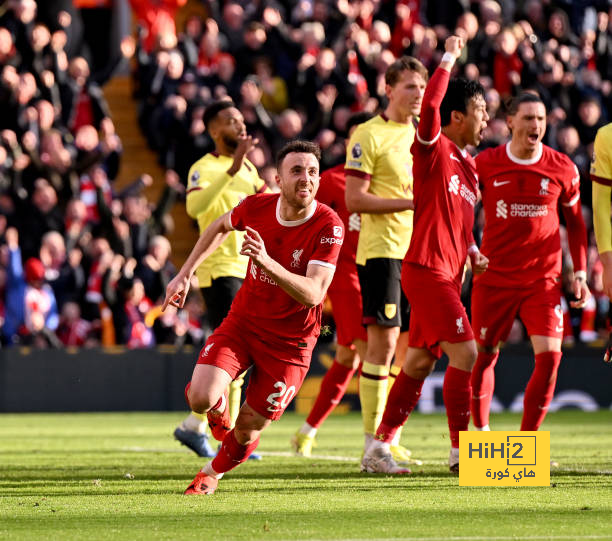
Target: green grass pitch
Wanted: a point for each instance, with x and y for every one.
(121, 476)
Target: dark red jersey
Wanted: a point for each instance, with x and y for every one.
(445, 191)
(261, 305)
(521, 203)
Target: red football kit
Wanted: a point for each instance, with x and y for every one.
(521, 239)
(267, 328)
(344, 291)
(445, 192)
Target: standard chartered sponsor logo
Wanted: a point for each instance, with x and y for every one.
(453, 184)
(467, 194)
(501, 209)
(520, 210)
(455, 187)
(354, 222)
(527, 210)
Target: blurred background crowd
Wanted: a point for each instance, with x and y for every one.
(85, 263)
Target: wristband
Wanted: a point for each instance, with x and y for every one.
(473, 249)
(580, 275)
(448, 57)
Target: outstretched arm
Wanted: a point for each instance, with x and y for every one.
(430, 125)
(209, 241)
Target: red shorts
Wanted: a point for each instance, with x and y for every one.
(345, 296)
(277, 373)
(437, 314)
(494, 310)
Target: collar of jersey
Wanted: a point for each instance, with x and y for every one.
(464, 152)
(293, 223)
(530, 161)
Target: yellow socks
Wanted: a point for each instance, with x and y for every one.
(235, 394)
(372, 394)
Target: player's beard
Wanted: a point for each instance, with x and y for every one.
(230, 142)
(296, 202)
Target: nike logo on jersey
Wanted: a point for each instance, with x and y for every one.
(453, 157)
(497, 183)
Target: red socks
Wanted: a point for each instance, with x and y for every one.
(232, 453)
(333, 387)
(483, 383)
(540, 389)
(401, 401)
(457, 392)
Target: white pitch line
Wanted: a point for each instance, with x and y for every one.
(473, 538)
(333, 458)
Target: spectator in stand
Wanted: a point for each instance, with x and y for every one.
(31, 310)
(63, 272)
(82, 99)
(156, 18)
(507, 65)
(73, 330)
(155, 270)
(589, 119)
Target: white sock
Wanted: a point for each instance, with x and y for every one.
(484, 428)
(454, 455)
(208, 470)
(308, 430)
(195, 424)
(395, 442)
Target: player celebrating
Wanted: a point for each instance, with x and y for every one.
(379, 186)
(293, 244)
(218, 182)
(345, 296)
(522, 184)
(453, 115)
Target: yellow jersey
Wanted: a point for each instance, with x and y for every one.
(379, 152)
(211, 192)
(601, 175)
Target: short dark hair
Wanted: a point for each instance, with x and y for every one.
(298, 145)
(513, 104)
(214, 109)
(405, 63)
(458, 95)
(358, 118)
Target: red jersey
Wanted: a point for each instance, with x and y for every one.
(445, 191)
(261, 306)
(520, 200)
(331, 193)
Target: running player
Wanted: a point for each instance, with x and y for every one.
(453, 115)
(293, 244)
(379, 186)
(217, 182)
(523, 183)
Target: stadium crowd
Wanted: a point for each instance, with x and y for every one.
(83, 263)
